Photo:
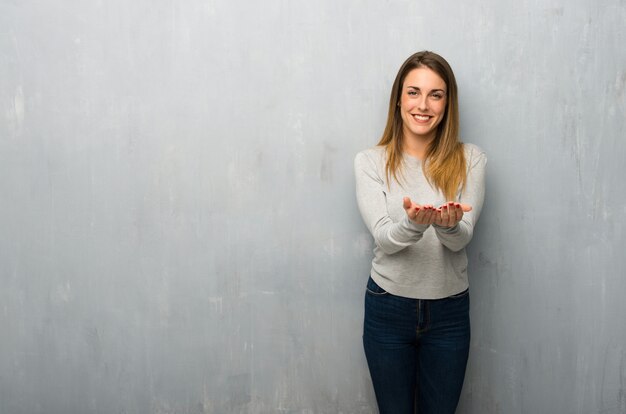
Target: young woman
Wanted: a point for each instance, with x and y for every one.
(420, 192)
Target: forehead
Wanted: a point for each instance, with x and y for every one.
(424, 78)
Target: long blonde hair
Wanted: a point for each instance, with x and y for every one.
(444, 161)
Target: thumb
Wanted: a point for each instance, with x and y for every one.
(406, 203)
(466, 208)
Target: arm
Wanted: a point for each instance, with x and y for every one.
(390, 237)
(457, 237)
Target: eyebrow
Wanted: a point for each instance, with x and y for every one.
(434, 90)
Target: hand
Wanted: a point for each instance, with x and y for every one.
(419, 214)
(449, 214)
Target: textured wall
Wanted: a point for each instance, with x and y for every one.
(178, 229)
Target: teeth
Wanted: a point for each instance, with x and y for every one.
(421, 117)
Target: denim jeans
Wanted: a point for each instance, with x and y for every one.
(416, 350)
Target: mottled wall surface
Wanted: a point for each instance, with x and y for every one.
(178, 228)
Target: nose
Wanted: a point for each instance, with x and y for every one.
(422, 103)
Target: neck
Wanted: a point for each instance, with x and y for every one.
(416, 146)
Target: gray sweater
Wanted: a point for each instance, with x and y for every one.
(411, 260)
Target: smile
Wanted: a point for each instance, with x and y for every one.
(421, 118)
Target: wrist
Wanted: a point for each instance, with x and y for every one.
(414, 225)
(447, 229)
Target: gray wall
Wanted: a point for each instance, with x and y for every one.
(178, 226)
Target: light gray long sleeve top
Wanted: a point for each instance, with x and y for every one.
(411, 260)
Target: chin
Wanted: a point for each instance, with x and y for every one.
(422, 133)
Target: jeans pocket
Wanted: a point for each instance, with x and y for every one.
(373, 288)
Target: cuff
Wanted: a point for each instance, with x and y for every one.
(407, 223)
(447, 230)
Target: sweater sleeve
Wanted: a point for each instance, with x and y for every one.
(390, 237)
(457, 237)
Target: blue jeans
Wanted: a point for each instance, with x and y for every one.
(416, 350)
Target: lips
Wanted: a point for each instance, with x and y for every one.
(421, 118)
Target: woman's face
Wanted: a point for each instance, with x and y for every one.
(422, 103)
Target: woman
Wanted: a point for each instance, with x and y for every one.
(420, 192)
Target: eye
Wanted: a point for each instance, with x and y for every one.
(437, 95)
(412, 93)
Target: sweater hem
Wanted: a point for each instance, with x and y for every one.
(421, 292)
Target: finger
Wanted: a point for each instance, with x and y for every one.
(445, 216)
(406, 203)
(438, 220)
(414, 211)
(436, 215)
(432, 215)
(421, 214)
(451, 214)
(466, 207)
(425, 217)
(459, 213)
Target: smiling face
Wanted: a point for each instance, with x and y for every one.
(422, 104)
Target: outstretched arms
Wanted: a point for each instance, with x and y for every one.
(455, 228)
(390, 237)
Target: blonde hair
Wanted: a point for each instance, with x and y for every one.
(444, 161)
